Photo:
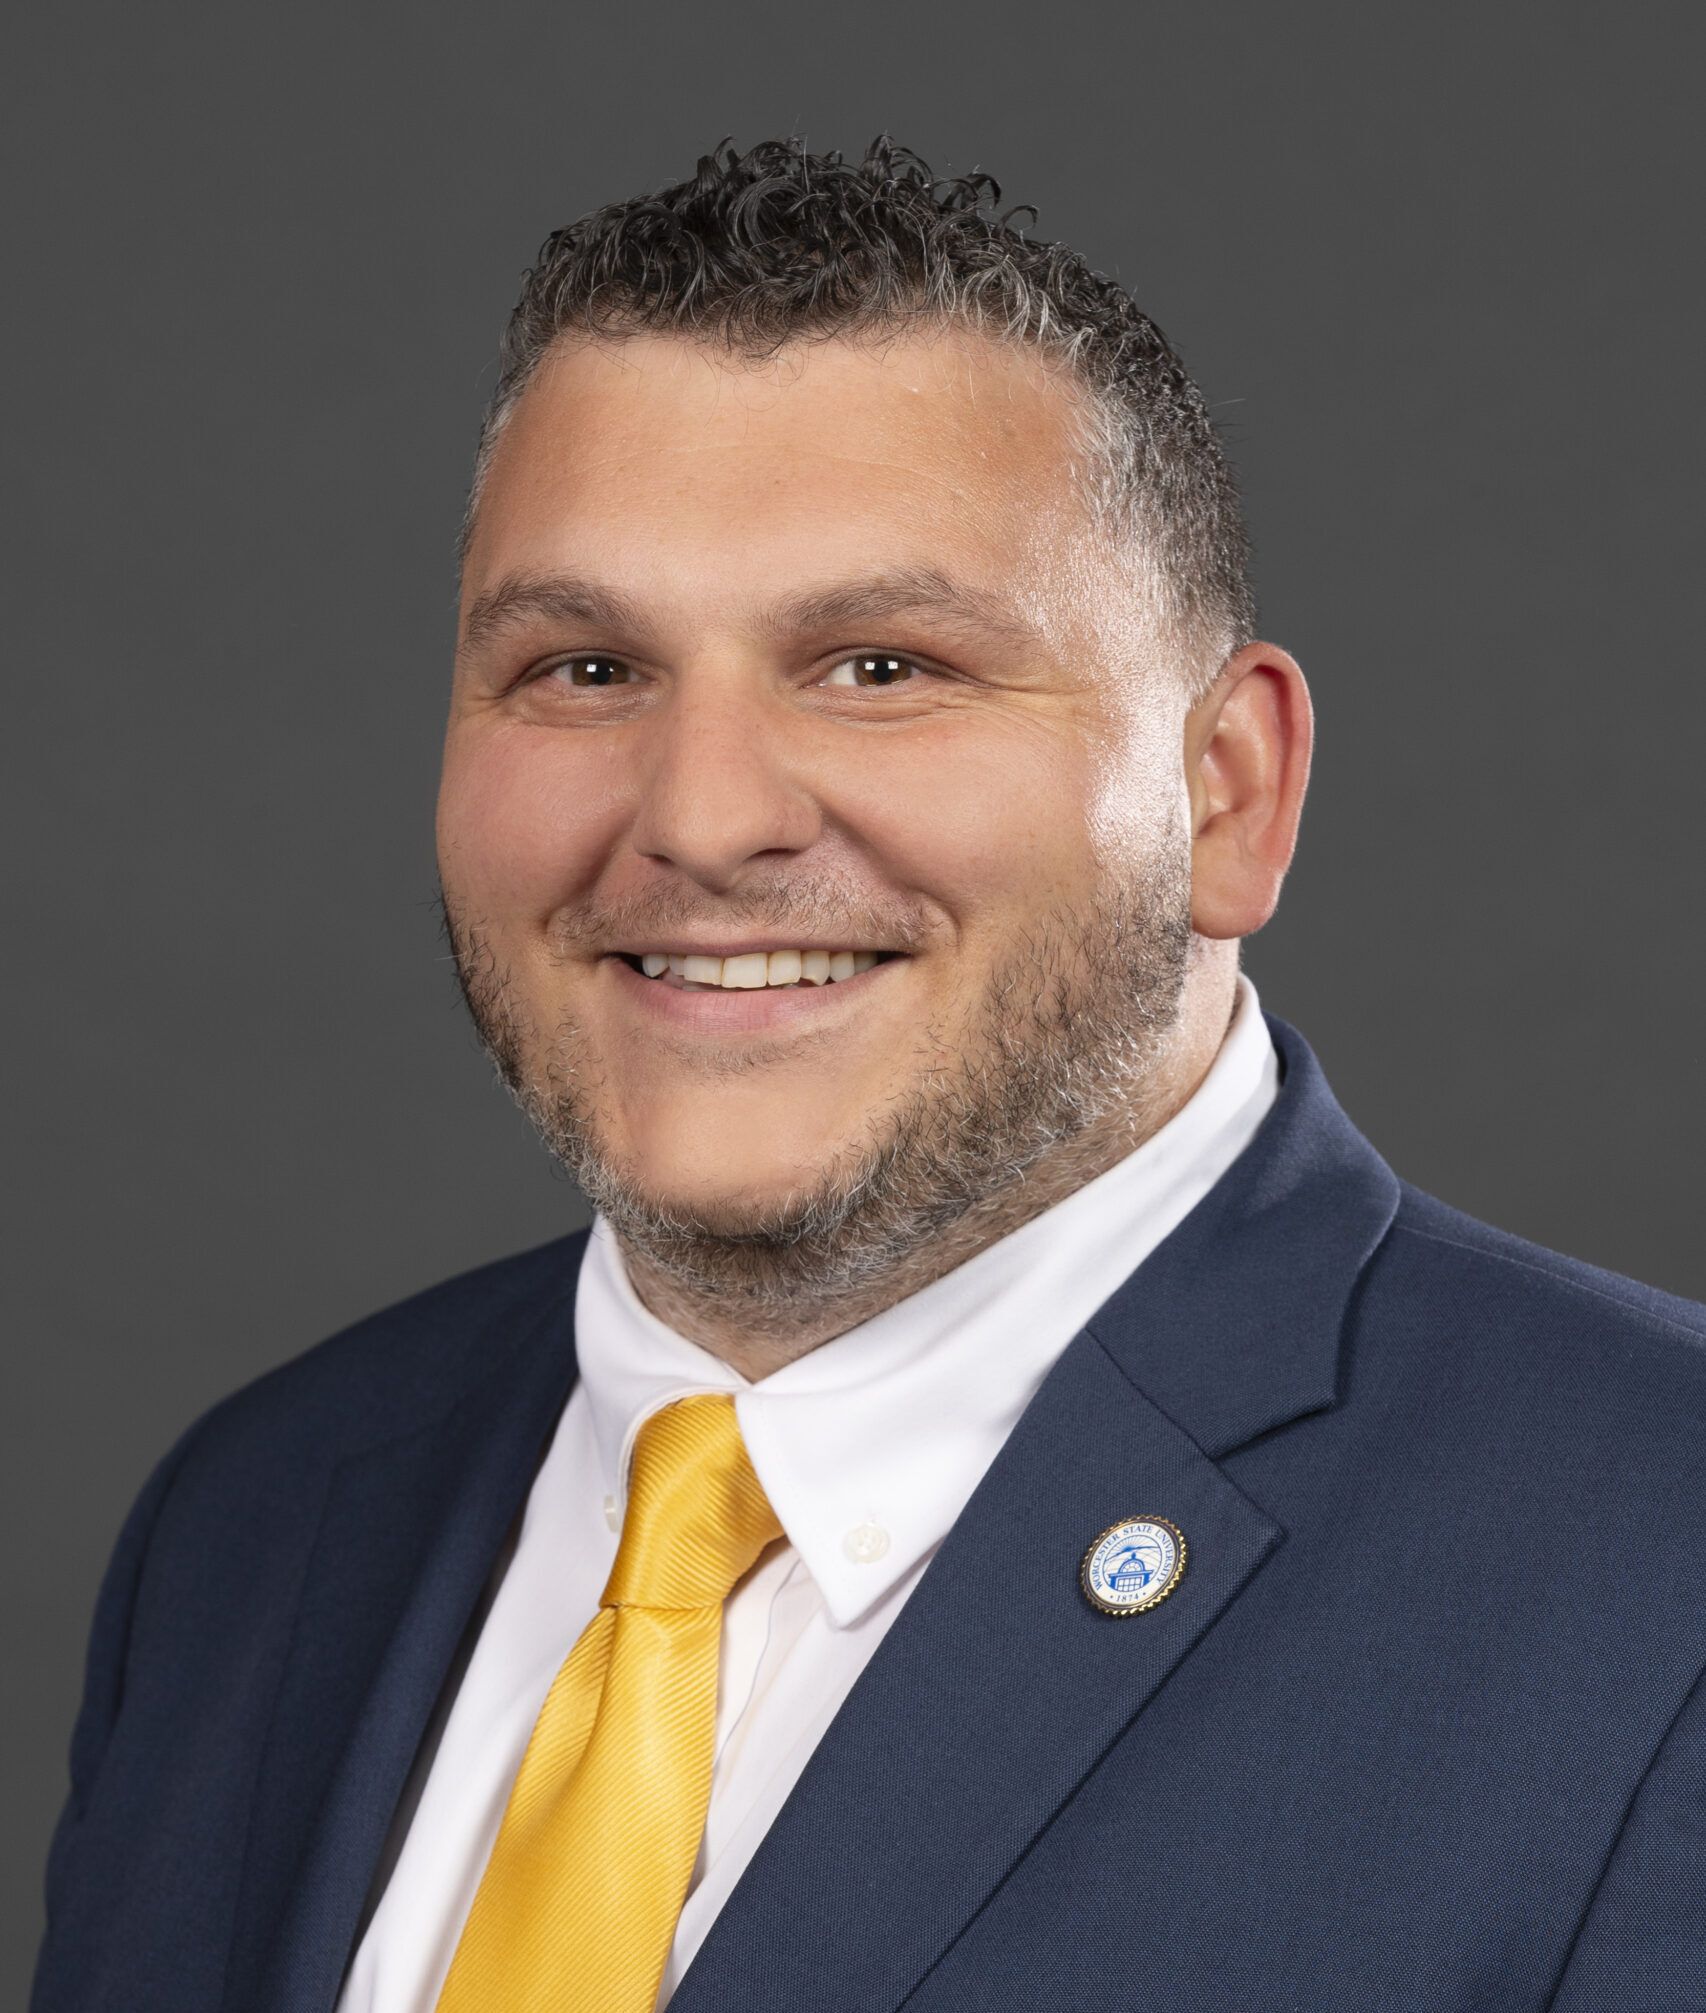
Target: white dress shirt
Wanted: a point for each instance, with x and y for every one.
(868, 1448)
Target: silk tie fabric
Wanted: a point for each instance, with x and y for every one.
(577, 1907)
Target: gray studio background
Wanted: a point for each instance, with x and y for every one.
(1437, 272)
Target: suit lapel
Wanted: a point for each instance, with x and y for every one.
(407, 1541)
(995, 1691)
(998, 1688)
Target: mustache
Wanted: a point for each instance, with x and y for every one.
(775, 908)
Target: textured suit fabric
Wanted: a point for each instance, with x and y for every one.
(1422, 1728)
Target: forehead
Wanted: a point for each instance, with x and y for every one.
(657, 455)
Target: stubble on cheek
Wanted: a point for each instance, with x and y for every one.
(1061, 1032)
(553, 1081)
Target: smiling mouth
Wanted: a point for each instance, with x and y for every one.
(755, 971)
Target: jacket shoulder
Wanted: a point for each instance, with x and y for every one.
(406, 1362)
(1597, 1296)
(233, 1502)
(1568, 1354)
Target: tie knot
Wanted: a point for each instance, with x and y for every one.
(697, 1514)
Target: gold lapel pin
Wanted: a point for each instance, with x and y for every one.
(1134, 1565)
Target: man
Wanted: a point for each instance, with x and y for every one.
(1012, 1503)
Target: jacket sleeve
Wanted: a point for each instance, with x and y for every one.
(103, 1683)
(1641, 1947)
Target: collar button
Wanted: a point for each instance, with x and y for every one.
(865, 1543)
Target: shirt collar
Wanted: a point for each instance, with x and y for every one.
(869, 1446)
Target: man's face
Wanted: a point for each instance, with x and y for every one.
(819, 653)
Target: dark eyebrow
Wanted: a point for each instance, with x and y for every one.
(568, 597)
(552, 597)
(909, 590)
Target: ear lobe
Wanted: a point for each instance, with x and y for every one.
(1248, 745)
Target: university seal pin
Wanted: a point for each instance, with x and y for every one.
(1133, 1566)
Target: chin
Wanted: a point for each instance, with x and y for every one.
(733, 1202)
(700, 1153)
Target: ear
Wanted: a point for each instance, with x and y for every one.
(1247, 748)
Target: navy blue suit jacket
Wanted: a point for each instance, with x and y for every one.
(1422, 1729)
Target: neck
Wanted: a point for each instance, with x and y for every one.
(755, 1348)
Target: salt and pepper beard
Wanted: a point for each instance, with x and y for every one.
(1066, 1035)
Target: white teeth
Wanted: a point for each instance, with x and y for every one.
(753, 969)
(748, 972)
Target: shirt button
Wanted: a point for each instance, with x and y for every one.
(612, 1515)
(865, 1543)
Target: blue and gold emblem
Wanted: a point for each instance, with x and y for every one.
(1134, 1565)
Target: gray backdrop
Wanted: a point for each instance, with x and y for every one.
(1436, 269)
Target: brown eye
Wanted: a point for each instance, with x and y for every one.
(594, 673)
(877, 670)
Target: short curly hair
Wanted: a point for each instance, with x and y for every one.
(777, 245)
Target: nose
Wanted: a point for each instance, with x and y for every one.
(719, 778)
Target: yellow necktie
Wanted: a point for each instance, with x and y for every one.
(577, 1908)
